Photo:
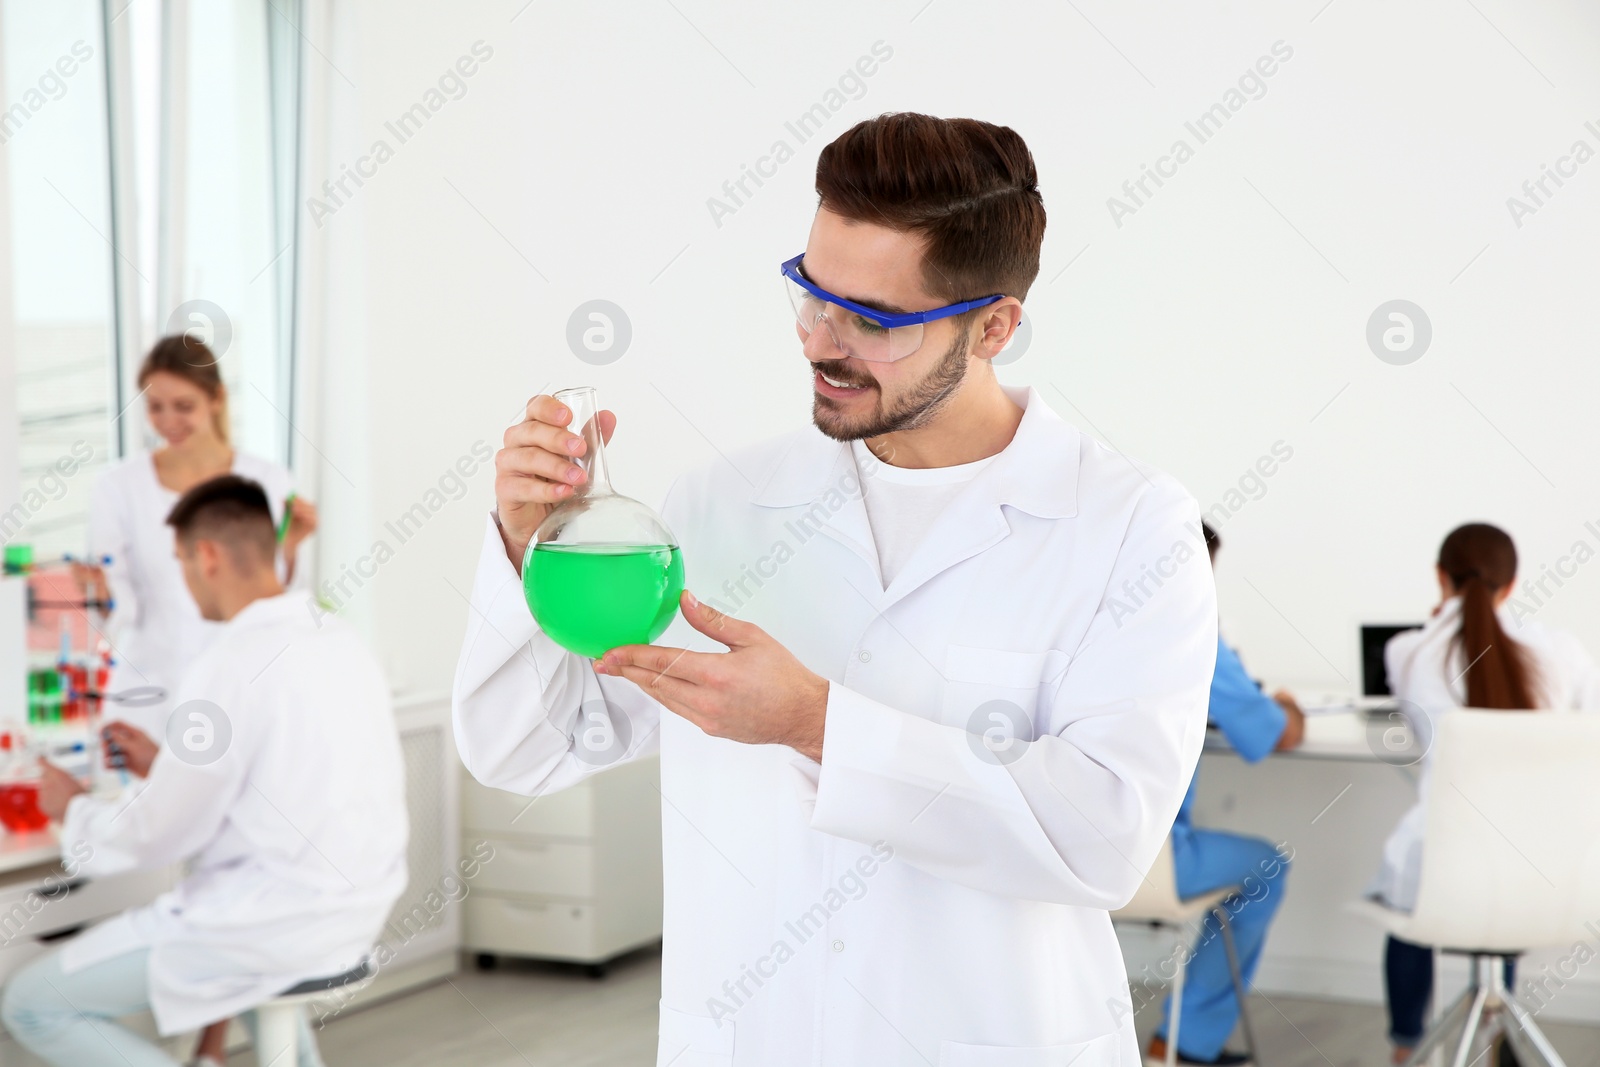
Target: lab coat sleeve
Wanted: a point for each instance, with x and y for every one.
(1397, 653)
(108, 535)
(1250, 720)
(278, 483)
(1589, 691)
(531, 717)
(1586, 676)
(1079, 816)
(177, 811)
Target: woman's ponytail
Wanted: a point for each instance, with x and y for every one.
(1480, 560)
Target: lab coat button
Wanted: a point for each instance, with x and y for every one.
(864, 656)
(838, 946)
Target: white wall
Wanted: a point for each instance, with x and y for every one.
(1227, 314)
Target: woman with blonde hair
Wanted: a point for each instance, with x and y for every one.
(1474, 652)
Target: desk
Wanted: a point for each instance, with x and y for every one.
(1370, 732)
(40, 901)
(19, 851)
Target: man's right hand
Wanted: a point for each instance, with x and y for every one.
(535, 472)
(129, 748)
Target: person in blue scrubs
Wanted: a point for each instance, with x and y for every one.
(1255, 724)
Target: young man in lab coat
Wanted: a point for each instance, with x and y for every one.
(941, 717)
(279, 783)
(1255, 724)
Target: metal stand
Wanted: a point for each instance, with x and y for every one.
(1180, 951)
(1221, 912)
(1487, 1001)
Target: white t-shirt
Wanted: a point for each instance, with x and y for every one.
(902, 503)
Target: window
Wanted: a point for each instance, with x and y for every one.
(228, 256)
(57, 316)
(173, 131)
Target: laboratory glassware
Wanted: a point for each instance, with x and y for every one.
(602, 569)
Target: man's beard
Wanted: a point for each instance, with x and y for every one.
(916, 408)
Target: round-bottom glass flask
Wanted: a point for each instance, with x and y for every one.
(602, 569)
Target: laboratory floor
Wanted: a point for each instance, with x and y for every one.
(531, 1015)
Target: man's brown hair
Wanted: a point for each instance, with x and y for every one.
(232, 511)
(969, 188)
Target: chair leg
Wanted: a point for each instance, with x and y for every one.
(277, 1035)
(1237, 975)
(1442, 1028)
(1182, 953)
(1474, 1020)
(1527, 1040)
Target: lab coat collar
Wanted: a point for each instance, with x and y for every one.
(1036, 473)
(270, 609)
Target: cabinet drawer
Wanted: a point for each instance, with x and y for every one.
(496, 813)
(529, 927)
(41, 903)
(526, 865)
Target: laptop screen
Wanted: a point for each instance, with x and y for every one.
(1374, 679)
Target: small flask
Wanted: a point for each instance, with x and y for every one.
(602, 569)
(19, 791)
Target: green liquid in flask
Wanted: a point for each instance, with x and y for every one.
(592, 598)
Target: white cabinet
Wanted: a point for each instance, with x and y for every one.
(424, 925)
(573, 876)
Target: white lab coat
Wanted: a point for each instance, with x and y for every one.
(1427, 670)
(905, 901)
(295, 837)
(156, 630)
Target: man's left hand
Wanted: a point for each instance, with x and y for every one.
(1294, 726)
(56, 790)
(756, 693)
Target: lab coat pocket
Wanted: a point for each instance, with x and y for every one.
(994, 694)
(689, 1040)
(1103, 1051)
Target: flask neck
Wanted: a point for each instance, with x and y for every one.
(584, 404)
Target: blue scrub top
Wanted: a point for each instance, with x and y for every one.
(1250, 719)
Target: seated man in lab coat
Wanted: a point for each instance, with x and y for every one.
(934, 708)
(279, 783)
(1203, 860)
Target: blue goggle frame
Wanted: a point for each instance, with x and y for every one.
(791, 270)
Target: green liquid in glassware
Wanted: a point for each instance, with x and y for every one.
(592, 598)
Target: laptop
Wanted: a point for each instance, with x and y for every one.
(1374, 678)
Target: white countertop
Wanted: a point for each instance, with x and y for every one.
(1363, 732)
(28, 849)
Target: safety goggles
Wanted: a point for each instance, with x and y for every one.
(860, 331)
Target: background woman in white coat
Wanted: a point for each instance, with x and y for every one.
(155, 628)
(1474, 652)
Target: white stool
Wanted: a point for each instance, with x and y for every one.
(1511, 861)
(278, 1020)
(1156, 904)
